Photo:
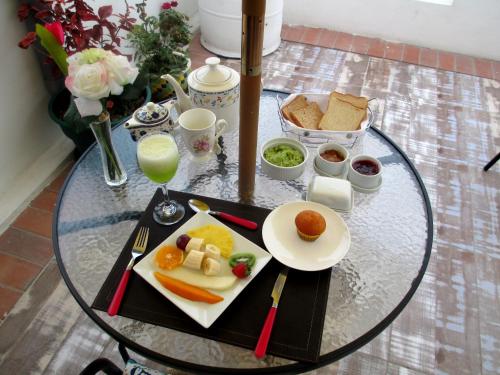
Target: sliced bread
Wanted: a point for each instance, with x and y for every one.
(307, 117)
(300, 101)
(341, 116)
(357, 101)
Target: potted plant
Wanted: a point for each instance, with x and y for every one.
(174, 26)
(70, 26)
(160, 44)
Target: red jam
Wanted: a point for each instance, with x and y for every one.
(366, 167)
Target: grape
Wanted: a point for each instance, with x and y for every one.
(182, 241)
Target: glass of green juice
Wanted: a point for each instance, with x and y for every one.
(158, 158)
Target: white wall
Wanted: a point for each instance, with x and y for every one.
(31, 145)
(470, 27)
(188, 7)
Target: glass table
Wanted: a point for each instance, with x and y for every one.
(391, 234)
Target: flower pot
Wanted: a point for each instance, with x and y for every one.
(82, 138)
(220, 25)
(161, 89)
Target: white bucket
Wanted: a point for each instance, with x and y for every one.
(221, 26)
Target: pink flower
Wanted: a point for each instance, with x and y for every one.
(56, 29)
(174, 3)
(201, 144)
(166, 6)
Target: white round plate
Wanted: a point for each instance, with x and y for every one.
(282, 241)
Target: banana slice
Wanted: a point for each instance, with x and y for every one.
(195, 244)
(212, 251)
(211, 267)
(194, 259)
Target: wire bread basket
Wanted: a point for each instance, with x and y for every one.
(348, 139)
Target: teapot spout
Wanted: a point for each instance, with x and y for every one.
(183, 100)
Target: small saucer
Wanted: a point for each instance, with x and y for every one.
(342, 175)
(366, 191)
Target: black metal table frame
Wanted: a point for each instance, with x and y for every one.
(297, 367)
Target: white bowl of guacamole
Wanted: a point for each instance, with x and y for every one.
(283, 158)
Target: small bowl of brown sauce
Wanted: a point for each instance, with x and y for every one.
(332, 158)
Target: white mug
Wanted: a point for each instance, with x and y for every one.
(200, 131)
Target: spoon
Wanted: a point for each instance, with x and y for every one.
(197, 206)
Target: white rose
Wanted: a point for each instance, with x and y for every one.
(120, 71)
(88, 107)
(88, 56)
(89, 81)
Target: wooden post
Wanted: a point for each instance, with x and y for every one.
(252, 37)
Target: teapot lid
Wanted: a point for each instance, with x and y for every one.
(213, 77)
(151, 113)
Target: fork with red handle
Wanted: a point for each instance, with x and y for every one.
(140, 244)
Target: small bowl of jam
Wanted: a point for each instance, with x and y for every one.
(332, 158)
(365, 173)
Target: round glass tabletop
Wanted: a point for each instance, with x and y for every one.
(391, 234)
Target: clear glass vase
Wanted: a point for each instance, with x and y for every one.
(114, 173)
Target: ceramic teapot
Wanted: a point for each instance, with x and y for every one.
(152, 117)
(213, 86)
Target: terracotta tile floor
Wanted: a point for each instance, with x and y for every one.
(452, 323)
(26, 246)
(393, 51)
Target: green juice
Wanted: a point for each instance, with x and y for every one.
(158, 157)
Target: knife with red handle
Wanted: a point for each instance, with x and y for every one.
(265, 334)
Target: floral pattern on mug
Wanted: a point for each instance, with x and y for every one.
(201, 144)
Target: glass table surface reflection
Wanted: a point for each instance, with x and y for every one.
(391, 233)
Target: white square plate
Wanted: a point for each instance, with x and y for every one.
(204, 313)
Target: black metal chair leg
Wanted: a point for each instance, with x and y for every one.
(491, 162)
(123, 352)
(102, 364)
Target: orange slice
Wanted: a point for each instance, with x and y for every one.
(169, 257)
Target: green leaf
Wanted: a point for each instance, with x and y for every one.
(55, 50)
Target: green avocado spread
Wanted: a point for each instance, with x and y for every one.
(283, 155)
